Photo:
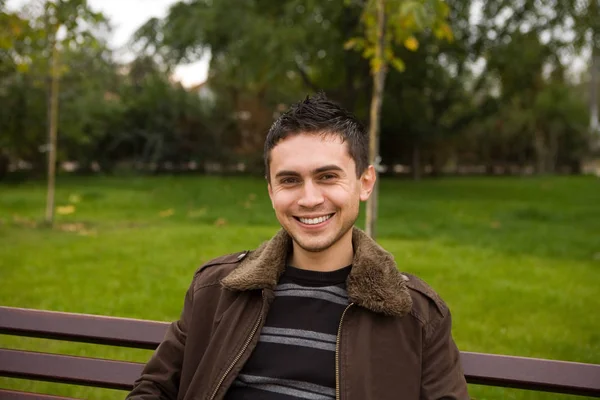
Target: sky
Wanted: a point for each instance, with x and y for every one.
(126, 16)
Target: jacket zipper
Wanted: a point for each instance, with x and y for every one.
(337, 355)
(241, 353)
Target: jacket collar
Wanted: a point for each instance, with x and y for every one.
(374, 281)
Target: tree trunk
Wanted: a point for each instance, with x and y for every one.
(4, 164)
(375, 114)
(541, 151)
(52, 132)
(552, 161)
(595, 61)
(416, 162)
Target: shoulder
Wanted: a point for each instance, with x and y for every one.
(428, 307)
(212, 272)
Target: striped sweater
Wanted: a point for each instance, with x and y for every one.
(295, 354)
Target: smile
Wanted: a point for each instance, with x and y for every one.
(314, 221)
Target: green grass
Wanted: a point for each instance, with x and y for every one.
(516, 259)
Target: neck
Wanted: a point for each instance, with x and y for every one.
(338, 255)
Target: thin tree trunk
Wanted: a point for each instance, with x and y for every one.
(541, 151)
(52, 132)
(376, 102)
(416, 162)
(595, 61)
(552, 161)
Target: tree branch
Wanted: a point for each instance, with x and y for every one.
(306, 79)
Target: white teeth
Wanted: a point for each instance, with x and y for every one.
(314, 221)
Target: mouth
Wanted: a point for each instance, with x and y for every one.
(315, 220)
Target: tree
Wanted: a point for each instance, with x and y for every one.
(13, 29)
(483, 98)
(61, 25)
(388, 24)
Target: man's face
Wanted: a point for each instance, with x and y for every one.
(314, 189)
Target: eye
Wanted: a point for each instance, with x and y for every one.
(288, 181)
(328, 177)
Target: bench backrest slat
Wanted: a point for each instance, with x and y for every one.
(125, 332)
(532, 373)
(479, 368)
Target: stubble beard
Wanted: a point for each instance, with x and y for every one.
(319, 247)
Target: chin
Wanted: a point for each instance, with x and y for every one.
(314, 247)
(314, 244)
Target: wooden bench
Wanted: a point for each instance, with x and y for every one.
(482, 369)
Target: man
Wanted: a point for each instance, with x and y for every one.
(318, 312)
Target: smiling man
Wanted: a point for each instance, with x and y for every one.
(318, 312)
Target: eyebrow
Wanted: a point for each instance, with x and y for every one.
(319, 170)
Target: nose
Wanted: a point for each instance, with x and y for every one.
(311, 195)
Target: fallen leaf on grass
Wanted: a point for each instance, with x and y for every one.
(220, 222)
(166, 213)
(201, 212)
(65, 210)
(71, 227)
(74, 198)
(78, 228)
(24, 221)
(88, 233)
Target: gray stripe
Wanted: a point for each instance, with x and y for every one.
(297, 342)
(286, 391)
(332, 289)
(261, 381)
(314, 294)
(325, 337)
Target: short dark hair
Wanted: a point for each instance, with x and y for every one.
(319, 115)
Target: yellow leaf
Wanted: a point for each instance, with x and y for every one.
(411, 43)
(350, 44)
(65, 210)
(166, 213)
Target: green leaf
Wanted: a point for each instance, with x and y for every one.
(398, 64)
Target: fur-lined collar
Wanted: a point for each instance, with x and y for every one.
(374, 281)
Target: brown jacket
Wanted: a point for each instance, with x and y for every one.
(394, 339)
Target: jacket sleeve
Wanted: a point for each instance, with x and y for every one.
(442, 373)
(160, 377)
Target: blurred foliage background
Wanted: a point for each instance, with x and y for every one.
(495, 94)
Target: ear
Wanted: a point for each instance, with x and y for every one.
(367, 183)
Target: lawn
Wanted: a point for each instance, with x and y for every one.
(516, 259)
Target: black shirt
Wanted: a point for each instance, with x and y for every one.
(295, 354)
